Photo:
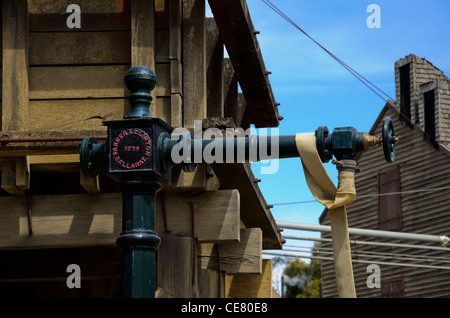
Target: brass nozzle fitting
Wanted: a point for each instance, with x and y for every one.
(370, 141)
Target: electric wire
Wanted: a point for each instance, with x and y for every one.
(365, 82)
(371, 195)
(391, 256)
(383, 244)
(361, 78)
(370, 254)
(296, 255)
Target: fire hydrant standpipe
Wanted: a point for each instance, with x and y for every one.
(138, 154)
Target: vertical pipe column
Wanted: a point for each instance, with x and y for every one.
(138, 239)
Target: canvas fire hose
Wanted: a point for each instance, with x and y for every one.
(139, 156)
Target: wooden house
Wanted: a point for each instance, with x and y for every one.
(410, 195)
(63, 68)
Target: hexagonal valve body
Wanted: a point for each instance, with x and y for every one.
(347, 142)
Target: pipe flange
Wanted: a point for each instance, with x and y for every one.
(86, 156)
(321, 136)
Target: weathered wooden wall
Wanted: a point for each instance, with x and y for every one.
(58, 81)
(76, 75)
(421, 166)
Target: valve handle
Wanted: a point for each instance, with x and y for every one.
(388, 139)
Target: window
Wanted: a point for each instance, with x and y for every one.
(393, 288)
(389, 205)
(405, 95)
(429, 117)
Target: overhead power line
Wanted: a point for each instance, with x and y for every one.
(370, 254)
(375, 89)
(298, 255)
(441, 239)
(378, 91)
(371, 243)
(371, 195)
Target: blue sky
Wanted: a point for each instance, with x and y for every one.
(314, 90)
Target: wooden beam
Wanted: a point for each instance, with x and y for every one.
(75, 114)
(243, 121)
(214, 61)
(163, 87)
(250, 285)
(90, 184)
(176, 60)
(9, 177)
(16, 175)
(23, 173)
(54, 163)
(15, 65)
(194, 62)
(13, 150)
(70, 48)
(176, 273)
(60, 221)
(176, 77)
(82, 220)
(253, 205)
(212, 215)
(162, 14)
(244, 256)
(237, 32)
(234, 257)
(189, 181)
(143, 31)
(176, 111)
(162, 293)
(230, 91)
(176, 19)
(202, 179)
(211, 283)
(162, 46)
(76, 82)
(37, 161)
(51, 15)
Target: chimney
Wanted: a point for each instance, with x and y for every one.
(422, 92)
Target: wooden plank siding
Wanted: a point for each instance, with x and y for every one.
(78, 72)
(421, 166)
(71, 81)
(89, 63)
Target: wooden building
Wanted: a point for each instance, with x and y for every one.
(62, 75)
(418, 183)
